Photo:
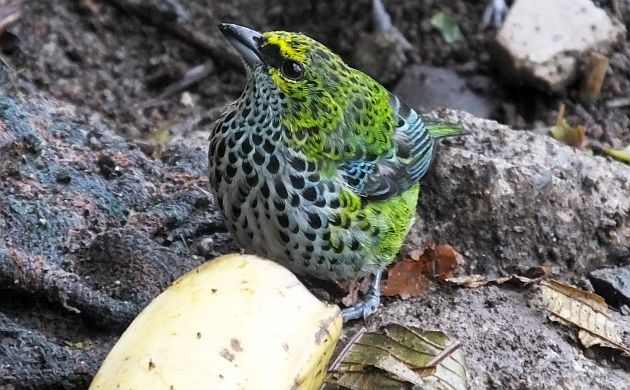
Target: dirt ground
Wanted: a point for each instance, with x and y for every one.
(113, 66)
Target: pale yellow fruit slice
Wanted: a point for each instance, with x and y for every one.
(235, 322)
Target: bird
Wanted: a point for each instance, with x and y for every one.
(316, 165)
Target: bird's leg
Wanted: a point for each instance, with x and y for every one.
(368, 305)
(494, 14)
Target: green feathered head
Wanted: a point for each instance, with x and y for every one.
(323, 99)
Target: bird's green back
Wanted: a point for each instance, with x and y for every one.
(346, 121)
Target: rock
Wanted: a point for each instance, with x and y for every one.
(613, 284)
(506, 199)
(426, 88)
(542, 42)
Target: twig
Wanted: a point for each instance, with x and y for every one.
(381, 19)
(446, 352)
(203, 42)
(191, 77)
(9, 15)
(334, 366)
(618, 102)
(617, 10)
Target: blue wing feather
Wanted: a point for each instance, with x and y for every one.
(397, 170)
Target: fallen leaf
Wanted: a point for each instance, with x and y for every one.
(405, 279)
(409, 277)
(398, 356)
(588, 311)
(162, 135)
(532, 275)
(565, 133)
(446, 24)
(593, 78)
(470, 281)
(619, 154)
(444, 260)
(399, 369)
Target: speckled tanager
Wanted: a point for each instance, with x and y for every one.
(316, 165)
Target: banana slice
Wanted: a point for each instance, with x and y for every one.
(235, 322)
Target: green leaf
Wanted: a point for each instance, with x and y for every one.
(446, 24)
(619, 154)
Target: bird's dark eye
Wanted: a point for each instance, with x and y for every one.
(292, 70)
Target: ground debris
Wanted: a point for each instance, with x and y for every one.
(532, 275)
(593, 78)
(619, 154)
(174, 16)
(588, 311)
(410, 276)
(399, 356)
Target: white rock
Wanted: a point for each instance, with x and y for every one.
(542, 41)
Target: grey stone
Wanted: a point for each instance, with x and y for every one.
(542, 41)
(507, 199)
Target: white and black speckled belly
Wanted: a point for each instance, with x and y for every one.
(275, 204)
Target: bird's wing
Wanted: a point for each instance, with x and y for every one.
(397, 169)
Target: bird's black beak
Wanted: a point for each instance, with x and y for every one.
(245, 41)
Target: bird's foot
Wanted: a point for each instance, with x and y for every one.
(494, 14)
(363, 309)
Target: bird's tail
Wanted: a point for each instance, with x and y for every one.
(445, 129)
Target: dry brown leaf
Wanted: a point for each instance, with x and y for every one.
(405, 278)
(532, 275)
(588, 311)
(353, 287)
(408, 277)
(444, 260)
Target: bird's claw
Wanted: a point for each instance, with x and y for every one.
(494, 14)
(365, 308)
